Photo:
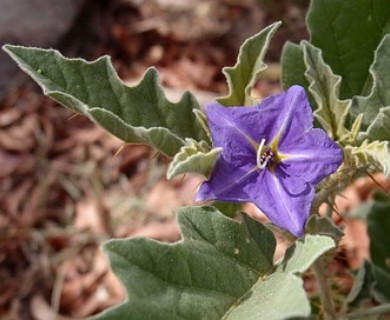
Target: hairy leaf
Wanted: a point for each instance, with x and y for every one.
(324, 86)
(348, 32)
(323, 226)
(140, 114)
(293, 66)
(220, 270)
(245, 73)
(375, 107)
(193, 157)
(369, 153)
(303, 253)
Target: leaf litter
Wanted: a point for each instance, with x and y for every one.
(66, 185)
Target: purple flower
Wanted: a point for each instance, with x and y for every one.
(272, 156)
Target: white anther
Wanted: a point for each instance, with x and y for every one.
(259, 154)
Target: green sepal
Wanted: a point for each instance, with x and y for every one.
(374, 154)
(196, 157)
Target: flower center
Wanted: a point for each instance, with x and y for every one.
(265, 156)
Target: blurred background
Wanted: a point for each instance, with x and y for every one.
(66, 185)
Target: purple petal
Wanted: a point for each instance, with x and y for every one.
(311, 157)
(228, 128)
(287, 114)
(284, 199)
(227, 183)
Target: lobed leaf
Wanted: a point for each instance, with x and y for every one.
(242, 77)
(376, 106)
(220, 270)
(139, 114)
(324, 86)
(194, 157)
(348, 32)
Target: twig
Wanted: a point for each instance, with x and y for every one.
(325, 293)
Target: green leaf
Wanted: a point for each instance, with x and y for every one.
(378, 226)
(220, 270)
(194, 157)
(323, 226)
(374, 278)
(374, 153)
(293, 66)
(243, 76)
(348, 32)
(324, 86)
(362, 285)
(381, 288)
(376, 107)
(272, 299)
(229, 209)
(300, 256)
(379, 129)
(139, 114)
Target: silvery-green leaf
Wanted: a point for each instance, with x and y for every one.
(277, 297)
(348, 32)
(139, 114)
(379, 129)
(220, 270)
(324, 86)
(300, 256)
(194, 157)
(375, 153)
(323, 226)
(376, 106)
(242, 77)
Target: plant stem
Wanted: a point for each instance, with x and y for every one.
(324, 289)
(385, 308)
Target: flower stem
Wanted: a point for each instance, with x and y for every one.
(325, 293)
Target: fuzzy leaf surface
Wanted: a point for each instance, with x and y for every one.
(348, 32)
(370, 153)
(193, 157)
(376, 106)
(300, 256)
(293, 66)
(139, 114)
(242, 77)
(219, 270)
(324, 86)
(323, 226)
